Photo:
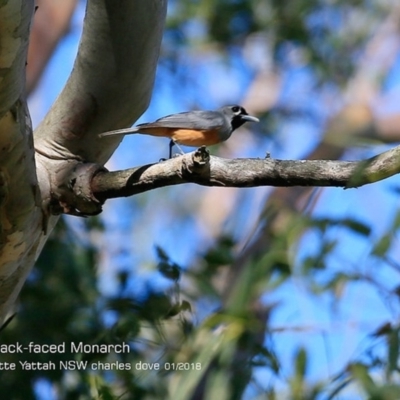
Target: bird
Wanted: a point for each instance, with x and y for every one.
(193, 128)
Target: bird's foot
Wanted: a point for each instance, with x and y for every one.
(201, 156)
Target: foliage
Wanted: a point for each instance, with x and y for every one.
(215, 357)
(326, 34)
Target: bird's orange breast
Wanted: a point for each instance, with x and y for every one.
(187, 137)
(194, 138)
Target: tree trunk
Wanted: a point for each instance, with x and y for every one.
(109, 88)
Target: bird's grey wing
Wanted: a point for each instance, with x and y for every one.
(199, 120)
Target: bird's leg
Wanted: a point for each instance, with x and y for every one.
(172, 143)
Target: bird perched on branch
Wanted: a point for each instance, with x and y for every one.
(193, 128)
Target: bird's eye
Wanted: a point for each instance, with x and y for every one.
(235, 109)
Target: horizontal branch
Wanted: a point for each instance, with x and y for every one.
(201, 168)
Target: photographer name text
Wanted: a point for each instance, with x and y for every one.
(82, 348)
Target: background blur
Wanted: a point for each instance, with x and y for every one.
(289, 293)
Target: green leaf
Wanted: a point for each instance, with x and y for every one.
(360, 373)
(383, 245)
(161, 254)
(357, 226)
(301, 363)
(169, 270)
(393, 352)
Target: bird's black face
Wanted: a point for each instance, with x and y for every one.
(238, 116)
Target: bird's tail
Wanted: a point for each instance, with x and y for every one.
(126, 131)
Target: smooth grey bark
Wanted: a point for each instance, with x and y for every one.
(109, 88)
(20, 213)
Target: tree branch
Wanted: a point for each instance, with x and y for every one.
(109, 88)
(111, 82)
(201, 168)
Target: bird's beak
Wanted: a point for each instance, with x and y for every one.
(249, 118)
